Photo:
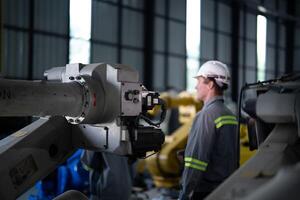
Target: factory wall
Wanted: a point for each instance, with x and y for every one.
(15, 42)
(229, 34)
(35, 36)
(297, 40)
(150, 36)
(276, 40)
(118, 32)
(169, 44)
(147, 35)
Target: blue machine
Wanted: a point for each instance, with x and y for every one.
(71, 175)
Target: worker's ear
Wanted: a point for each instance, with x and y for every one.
(210, 84)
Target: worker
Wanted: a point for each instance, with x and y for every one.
(211, 152)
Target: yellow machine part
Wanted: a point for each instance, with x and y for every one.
(186, 102)
(245, 153)
(164, 166)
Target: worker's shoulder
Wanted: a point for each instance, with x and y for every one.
(205, 115)
(216, 110)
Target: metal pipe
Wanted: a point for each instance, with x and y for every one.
(40, 98)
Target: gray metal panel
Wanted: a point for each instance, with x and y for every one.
(297, 13)
(282, 65)
(15, 54)
(270, 75)
(207, 44)
(297, 60)
(297, 38)
(178, 9)
(176, 73)
(203, 60)
(230, 70)
(114, 1)
(177, 38)
(270, 5)
(159, 35)
(160, 6)
(282, 42)
(274, 107)
(251, 26)
(134, 59)
(270, 59)
(241, 25)
(271, 32)
(51, 15)
(250, 54)
(224, 48)
(224, 18)
(48, 52)
(241, 52)
(16, 12)
(250, 75)
(104, 22)
(228, 92)
(282, 6)
(133, 3)
(103, 53)
(241, 81)
(159, 72)
(207, 13)
(132, 28)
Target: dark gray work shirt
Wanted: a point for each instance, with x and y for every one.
(211, 151)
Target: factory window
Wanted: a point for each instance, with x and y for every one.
(192, 41)
(261, 47)
(80, 31)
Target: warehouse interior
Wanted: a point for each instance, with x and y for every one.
(164, 41)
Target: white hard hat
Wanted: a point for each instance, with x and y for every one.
(215, 69)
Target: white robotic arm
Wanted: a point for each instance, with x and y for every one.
(95, 107)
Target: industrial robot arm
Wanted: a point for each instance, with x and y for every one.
(96, 107)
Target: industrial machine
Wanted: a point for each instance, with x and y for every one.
(96, 107)
(273, 172)
(71, 175)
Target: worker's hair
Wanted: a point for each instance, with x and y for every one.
(219, 90)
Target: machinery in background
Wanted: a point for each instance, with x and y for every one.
(164, 167)
(71, 175)
(246, 149)
(273, 173)
(96, 107)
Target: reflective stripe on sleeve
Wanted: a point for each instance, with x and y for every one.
(225, 117)
(226, 122)
(195, 163)
(195, 166)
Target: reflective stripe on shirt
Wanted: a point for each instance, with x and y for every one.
(195, 166)
(195, 163)
(225, 117)
(225, 120)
